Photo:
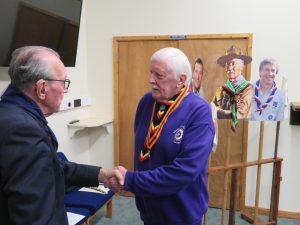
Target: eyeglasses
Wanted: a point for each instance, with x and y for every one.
(66, 82)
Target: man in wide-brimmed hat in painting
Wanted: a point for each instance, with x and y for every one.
(234, 99)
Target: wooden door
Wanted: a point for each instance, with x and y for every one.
(131, 68)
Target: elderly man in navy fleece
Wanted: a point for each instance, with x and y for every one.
(174, 135)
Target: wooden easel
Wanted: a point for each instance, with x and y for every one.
(253, 217)
(226, 174)
(235, 169)
(226, 177)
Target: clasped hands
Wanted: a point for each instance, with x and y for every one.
(113, 179)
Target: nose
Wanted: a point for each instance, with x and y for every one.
(152, 79)
(270, 74)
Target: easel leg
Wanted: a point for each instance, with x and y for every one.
(261, 143)
(233, 195)
(275, 192)
(226, 174)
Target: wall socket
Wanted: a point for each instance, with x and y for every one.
(74, 103)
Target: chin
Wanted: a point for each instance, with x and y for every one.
(48, 114)
(155, 94)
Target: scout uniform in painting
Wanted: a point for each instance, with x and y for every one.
(233, 100)
(226, 97)
(268, 101)
(269, 106)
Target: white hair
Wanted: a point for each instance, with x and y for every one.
(177, 61)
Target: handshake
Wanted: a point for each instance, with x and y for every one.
(113, 179)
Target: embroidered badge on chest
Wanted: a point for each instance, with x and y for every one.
(275, 105)
(178, 134)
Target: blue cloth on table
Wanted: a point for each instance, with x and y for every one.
(89, 200)
(83, 199)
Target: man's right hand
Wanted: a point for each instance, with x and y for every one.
(111, 178)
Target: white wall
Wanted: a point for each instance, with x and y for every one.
(274, 25)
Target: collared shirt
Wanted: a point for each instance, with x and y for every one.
(274, 111)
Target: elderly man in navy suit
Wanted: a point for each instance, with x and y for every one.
(32, 177)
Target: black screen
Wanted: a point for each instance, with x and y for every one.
(49, 23)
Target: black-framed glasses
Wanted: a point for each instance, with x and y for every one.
(66, 82)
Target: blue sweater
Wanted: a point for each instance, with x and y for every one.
(170, 186)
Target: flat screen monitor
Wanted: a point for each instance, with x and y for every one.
(49, 23)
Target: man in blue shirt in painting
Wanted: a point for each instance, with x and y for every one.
(268, 101)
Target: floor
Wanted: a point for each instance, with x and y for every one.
(125, 213)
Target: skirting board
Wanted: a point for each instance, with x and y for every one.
(281, 214)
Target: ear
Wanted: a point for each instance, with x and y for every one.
(41, 89)
(182, 80)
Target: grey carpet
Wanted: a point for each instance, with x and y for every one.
(125, 213)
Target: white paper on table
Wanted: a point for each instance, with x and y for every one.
(100, 189)
(74, 218)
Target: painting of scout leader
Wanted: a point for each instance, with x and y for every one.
(233, 100)
(268, 101)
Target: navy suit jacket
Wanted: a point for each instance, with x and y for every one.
(32, 178)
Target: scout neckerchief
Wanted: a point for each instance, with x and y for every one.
(228, 87)
(260, 107)
(159, 117)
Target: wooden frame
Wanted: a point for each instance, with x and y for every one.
(253, 219)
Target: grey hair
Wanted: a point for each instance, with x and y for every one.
(177, 61)
(27, 66)
(270, 61)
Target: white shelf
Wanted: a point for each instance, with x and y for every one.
(89, 123)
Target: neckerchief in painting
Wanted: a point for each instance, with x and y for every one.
(260, 107)
(159, 117)
(234, 91)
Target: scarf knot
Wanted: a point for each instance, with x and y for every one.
(159, 117)
(234, 91)
(260, 105)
